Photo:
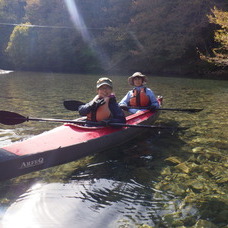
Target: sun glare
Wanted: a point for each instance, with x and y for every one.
(82, 28)
(77, 19)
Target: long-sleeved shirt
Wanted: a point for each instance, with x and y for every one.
(117, 115)
(125, 101)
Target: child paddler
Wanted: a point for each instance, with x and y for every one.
(103, 107)
(140, 97)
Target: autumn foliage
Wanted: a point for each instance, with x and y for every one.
(88, 36)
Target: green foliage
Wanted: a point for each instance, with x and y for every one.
(10, 12)
(220, 18)
(17, 47)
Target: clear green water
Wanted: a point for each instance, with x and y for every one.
(162, 179)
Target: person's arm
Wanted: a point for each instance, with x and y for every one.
(125, 101)
(117, 113)
(153, 99)
(91, 106)
(85, 109)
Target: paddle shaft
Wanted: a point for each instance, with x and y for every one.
(55, 120)
(145, 126)
(100, 123)
(169, 109)
(74, 105)
(11, 118)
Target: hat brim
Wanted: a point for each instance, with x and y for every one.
(131, 78)
(104, 83)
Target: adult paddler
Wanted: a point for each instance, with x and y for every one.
(140, 96)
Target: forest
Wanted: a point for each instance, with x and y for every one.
(162, 37)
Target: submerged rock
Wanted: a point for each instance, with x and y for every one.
(183, 167)
(204, 223)
(174, 160)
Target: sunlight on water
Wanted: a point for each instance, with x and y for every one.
(114, 202)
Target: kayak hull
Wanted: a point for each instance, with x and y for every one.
(65, 144)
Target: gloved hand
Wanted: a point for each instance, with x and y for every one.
(124, 107)
(97, 103)
(100, 102)
(153, 108)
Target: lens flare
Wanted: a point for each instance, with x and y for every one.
(81, 27)
(77, 19)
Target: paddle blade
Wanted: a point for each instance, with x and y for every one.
(72, 105)
(196, 110)
(11, 118)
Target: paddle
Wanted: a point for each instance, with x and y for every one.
(74, 105)
(12, 118)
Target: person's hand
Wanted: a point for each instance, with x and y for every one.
(124, 107)
(153, 108)
(98, 103)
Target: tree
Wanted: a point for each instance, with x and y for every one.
(46, 42)
(167, 33)
(11, 12)
(115, 35)
(18, 48)
(220, 18)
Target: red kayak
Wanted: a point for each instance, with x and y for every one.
(67, 143)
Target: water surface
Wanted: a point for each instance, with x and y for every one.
(162, 179)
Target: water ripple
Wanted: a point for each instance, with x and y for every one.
(70, 204)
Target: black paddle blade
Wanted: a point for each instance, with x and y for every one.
(189, 110)
(196, 110)
(11, 118)
(72, 105)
